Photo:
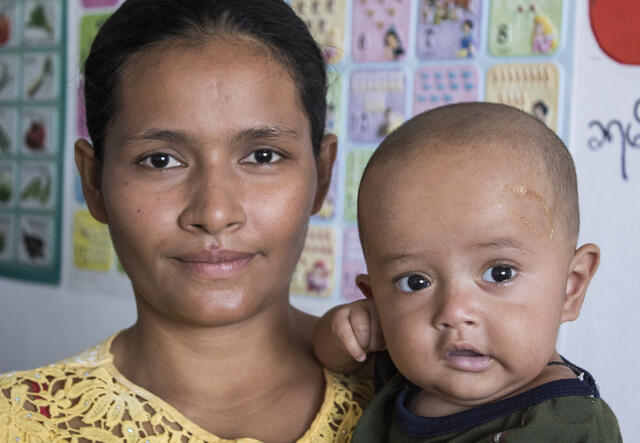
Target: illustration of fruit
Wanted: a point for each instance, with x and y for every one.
(34, 245)
(5, 75)
(5, 188)
(37, 189)
(38, 19)
(5, 29)
(34, 138)
(5, 142)
(45, 72)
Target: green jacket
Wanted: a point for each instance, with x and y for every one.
(560, 411)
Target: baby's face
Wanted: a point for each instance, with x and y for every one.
(468, 272)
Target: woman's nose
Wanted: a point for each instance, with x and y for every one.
(214, 203)
(455, 309)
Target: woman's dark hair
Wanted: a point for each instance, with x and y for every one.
(142, 24)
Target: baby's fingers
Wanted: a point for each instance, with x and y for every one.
(360, 320)
(344, 331)
(376, 339)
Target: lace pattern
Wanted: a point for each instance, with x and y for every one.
(85, 398)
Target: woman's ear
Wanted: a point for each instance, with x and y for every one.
(90, 168)
(324, 165)
(363, 283)
(582, 268)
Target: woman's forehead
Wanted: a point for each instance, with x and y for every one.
(211, 88)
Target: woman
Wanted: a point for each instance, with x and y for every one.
(208, 157)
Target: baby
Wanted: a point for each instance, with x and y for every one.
(468, 218)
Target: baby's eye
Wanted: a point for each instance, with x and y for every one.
(499, 274)
(262, 156)
(412, 283)
(160, 160)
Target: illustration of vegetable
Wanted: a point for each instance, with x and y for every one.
(5, 188)
(5, 142)
(5, 28)
(38, 19)
(34, 138)
(47, 69)
(37, 189)
(34, 245)
(5, 75)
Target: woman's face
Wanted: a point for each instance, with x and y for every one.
(208, 180)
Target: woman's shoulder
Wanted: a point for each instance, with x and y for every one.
(346, 397)
(73, 367)
(31, 401)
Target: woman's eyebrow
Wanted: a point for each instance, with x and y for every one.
(266, 133)
(179, 137)
(158, 135)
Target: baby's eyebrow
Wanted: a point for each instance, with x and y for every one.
(501, 243)
(387, 259)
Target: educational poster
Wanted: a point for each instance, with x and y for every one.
(441, 85)
(386, 61)
(352, 264)
(380, 30)
(332, 125)
(314, 274)
(356, 161)
(92, 261)
(32, 122)
(449, 29)
(530, 87)
(525, 27)
(326, 21)
(376, 104)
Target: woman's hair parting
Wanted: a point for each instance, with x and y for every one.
(139, 25)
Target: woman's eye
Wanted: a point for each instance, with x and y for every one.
(160, 161)
(412, 283)
(263, 156)
(499, 274)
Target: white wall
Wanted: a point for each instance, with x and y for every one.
(40, 324)
(605, 337)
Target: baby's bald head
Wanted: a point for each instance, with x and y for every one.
(468, 127)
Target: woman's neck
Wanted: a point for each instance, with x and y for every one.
(179, 362)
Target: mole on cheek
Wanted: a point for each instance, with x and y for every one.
(521, 190)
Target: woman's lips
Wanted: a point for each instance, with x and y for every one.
(216, 264)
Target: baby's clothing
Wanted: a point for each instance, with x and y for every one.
(87, 397)
(569, 410)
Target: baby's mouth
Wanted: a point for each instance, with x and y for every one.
(464, 353)
(467, 360)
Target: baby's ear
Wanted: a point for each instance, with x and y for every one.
(362, 281)
(583, 265)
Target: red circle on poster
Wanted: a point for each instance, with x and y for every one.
(615, 24)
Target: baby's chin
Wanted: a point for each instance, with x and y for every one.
(462, 395)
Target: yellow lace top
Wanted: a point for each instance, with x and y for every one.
(85, 398)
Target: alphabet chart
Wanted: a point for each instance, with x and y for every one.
(32, 122)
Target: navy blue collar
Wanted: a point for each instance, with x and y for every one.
(425, 427)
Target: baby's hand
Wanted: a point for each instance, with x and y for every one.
(357, 328)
